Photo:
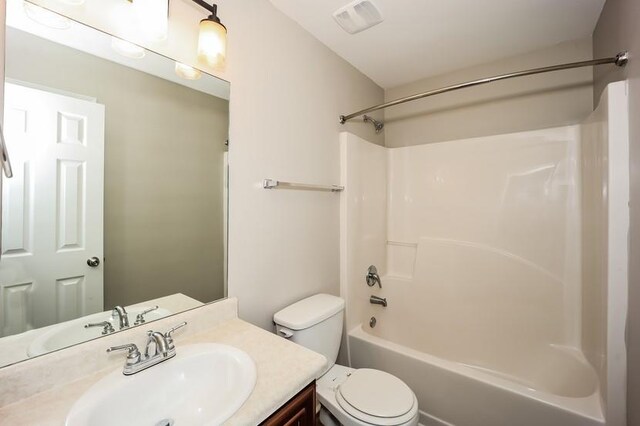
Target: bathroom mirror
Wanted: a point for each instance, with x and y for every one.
(119, 192)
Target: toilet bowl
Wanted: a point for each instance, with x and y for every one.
(365, 397)
(348, 396)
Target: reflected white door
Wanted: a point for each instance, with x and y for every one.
(52, 218)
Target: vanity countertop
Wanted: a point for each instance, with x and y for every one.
(283, 370)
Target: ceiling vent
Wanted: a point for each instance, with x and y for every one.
(357, 16)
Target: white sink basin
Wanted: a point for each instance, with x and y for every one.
(204, 384)
(73, 332)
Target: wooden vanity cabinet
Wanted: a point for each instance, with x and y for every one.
(298, 411)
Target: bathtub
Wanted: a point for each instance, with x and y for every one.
(500, 311)
(563, 392)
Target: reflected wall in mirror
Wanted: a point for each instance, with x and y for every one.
(119, 191)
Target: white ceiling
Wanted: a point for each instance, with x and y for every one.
(421, 38)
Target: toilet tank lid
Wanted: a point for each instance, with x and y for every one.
(308, 312)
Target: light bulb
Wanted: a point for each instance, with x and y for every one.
(127, 49)
(46, 17)
(187, 72)
(153, 18)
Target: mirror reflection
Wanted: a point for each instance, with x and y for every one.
(116, 214)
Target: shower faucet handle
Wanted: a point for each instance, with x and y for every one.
(372, 277)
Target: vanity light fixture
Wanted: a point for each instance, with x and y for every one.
(212, 38)
(45, 17)
(187, 72)
(127, 49)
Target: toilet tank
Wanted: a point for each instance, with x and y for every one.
(315, 323)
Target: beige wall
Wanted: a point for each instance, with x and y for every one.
(287, 92)
(617, 30)
(163, 171)
(521, 104)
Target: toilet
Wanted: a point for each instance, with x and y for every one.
(348, 396)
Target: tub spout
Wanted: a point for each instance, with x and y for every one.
(375, 300)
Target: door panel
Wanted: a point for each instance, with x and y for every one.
(70, 190)
(53, 209)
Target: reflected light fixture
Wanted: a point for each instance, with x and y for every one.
(46, 17)
(212, 37)
(152, 18)
(147, 19)
(127, 49)
(187, 72)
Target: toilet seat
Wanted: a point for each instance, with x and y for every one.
(376, 397)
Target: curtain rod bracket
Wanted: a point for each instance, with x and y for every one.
(622, 58)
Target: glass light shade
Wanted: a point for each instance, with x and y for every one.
(187, 72)
(46, 17)
(127, 49)
(212, 43)
(152, 18)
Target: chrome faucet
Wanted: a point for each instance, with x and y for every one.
(163, 349)
(160, 342)
(375, 300)
(123, 317)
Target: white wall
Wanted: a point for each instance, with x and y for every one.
(521, 104)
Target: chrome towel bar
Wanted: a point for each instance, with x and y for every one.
(278, 184)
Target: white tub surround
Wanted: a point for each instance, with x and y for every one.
(53, 382)
(503, 262)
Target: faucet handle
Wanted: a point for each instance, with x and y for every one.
(140, 317)
(171, 330)
(168, 334)
(133, 354)
(107, 326)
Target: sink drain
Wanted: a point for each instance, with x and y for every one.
(165, 422)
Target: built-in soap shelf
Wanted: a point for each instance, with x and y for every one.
(401, 259)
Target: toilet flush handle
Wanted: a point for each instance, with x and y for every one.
(283, 332)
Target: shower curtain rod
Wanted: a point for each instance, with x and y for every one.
(619, 60)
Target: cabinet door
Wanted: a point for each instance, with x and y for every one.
(299, 411)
